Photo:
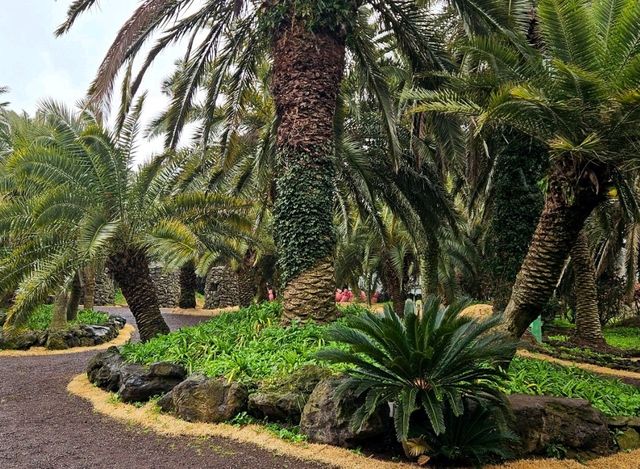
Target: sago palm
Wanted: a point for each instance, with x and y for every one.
(429, 361)
(74, 198)
(578, 96)
(306, 42)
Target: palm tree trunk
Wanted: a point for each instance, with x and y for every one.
(130, 268)
(587, 318)
(307, 72)
(59, 318)
(74, 298)
(569, 200)
(393, 285)
(429, 269)
(89, 286)
(187, 286)
(247, 284)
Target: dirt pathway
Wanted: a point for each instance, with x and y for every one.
(42, 426)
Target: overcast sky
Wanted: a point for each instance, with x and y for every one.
(35, 64)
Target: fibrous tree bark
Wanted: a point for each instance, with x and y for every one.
(247, 279)
(392, 284)
(75, 295)
(89, 277)
(130, 268)
(588, 327)
(573, 193)
(307, 71)
(59, 318)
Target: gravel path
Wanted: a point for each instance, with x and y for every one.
(42, 426)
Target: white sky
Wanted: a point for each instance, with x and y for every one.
(35, 64)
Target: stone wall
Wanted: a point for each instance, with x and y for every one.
(167, 286)
(221, 288)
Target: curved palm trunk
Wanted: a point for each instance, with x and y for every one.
(59, 318)
(587, 318)
(560, 223)
(89, 286)
(187, 286)
(307, 72)
(130, 269)
(74, 298)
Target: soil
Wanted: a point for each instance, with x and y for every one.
(42, 426)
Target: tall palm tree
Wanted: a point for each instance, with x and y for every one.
(307, 43)
(76, 200)
(578, 97)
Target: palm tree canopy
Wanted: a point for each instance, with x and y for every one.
(231, 37)
(72, 196)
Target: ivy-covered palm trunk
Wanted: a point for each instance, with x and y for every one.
(188, 282)
(573, 193)
(307, 71)
(130, 268)
(588, 326)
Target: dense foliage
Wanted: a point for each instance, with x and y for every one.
(623, 337)
(41, 317)
(428, 360)
(609, 395)
(247, 346)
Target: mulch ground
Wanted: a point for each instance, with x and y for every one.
(42, 426)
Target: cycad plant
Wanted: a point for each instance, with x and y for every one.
(73, 198)
(427, 363)
(578, 96)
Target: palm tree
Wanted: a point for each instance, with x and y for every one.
(76, 200)
(307, 43)
(578, 97)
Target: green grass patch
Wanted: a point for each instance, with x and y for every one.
(119, 299)
(40, 319)
(623, 337)
(248, 346)
(563, 323)
(535, 377)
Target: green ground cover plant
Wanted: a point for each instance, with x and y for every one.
(247, 346)
(40, 319)
(535, 377)
(623, 337)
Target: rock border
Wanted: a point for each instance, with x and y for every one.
(149, 418)
(123, 337)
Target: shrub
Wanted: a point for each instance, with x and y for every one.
(429, 363)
